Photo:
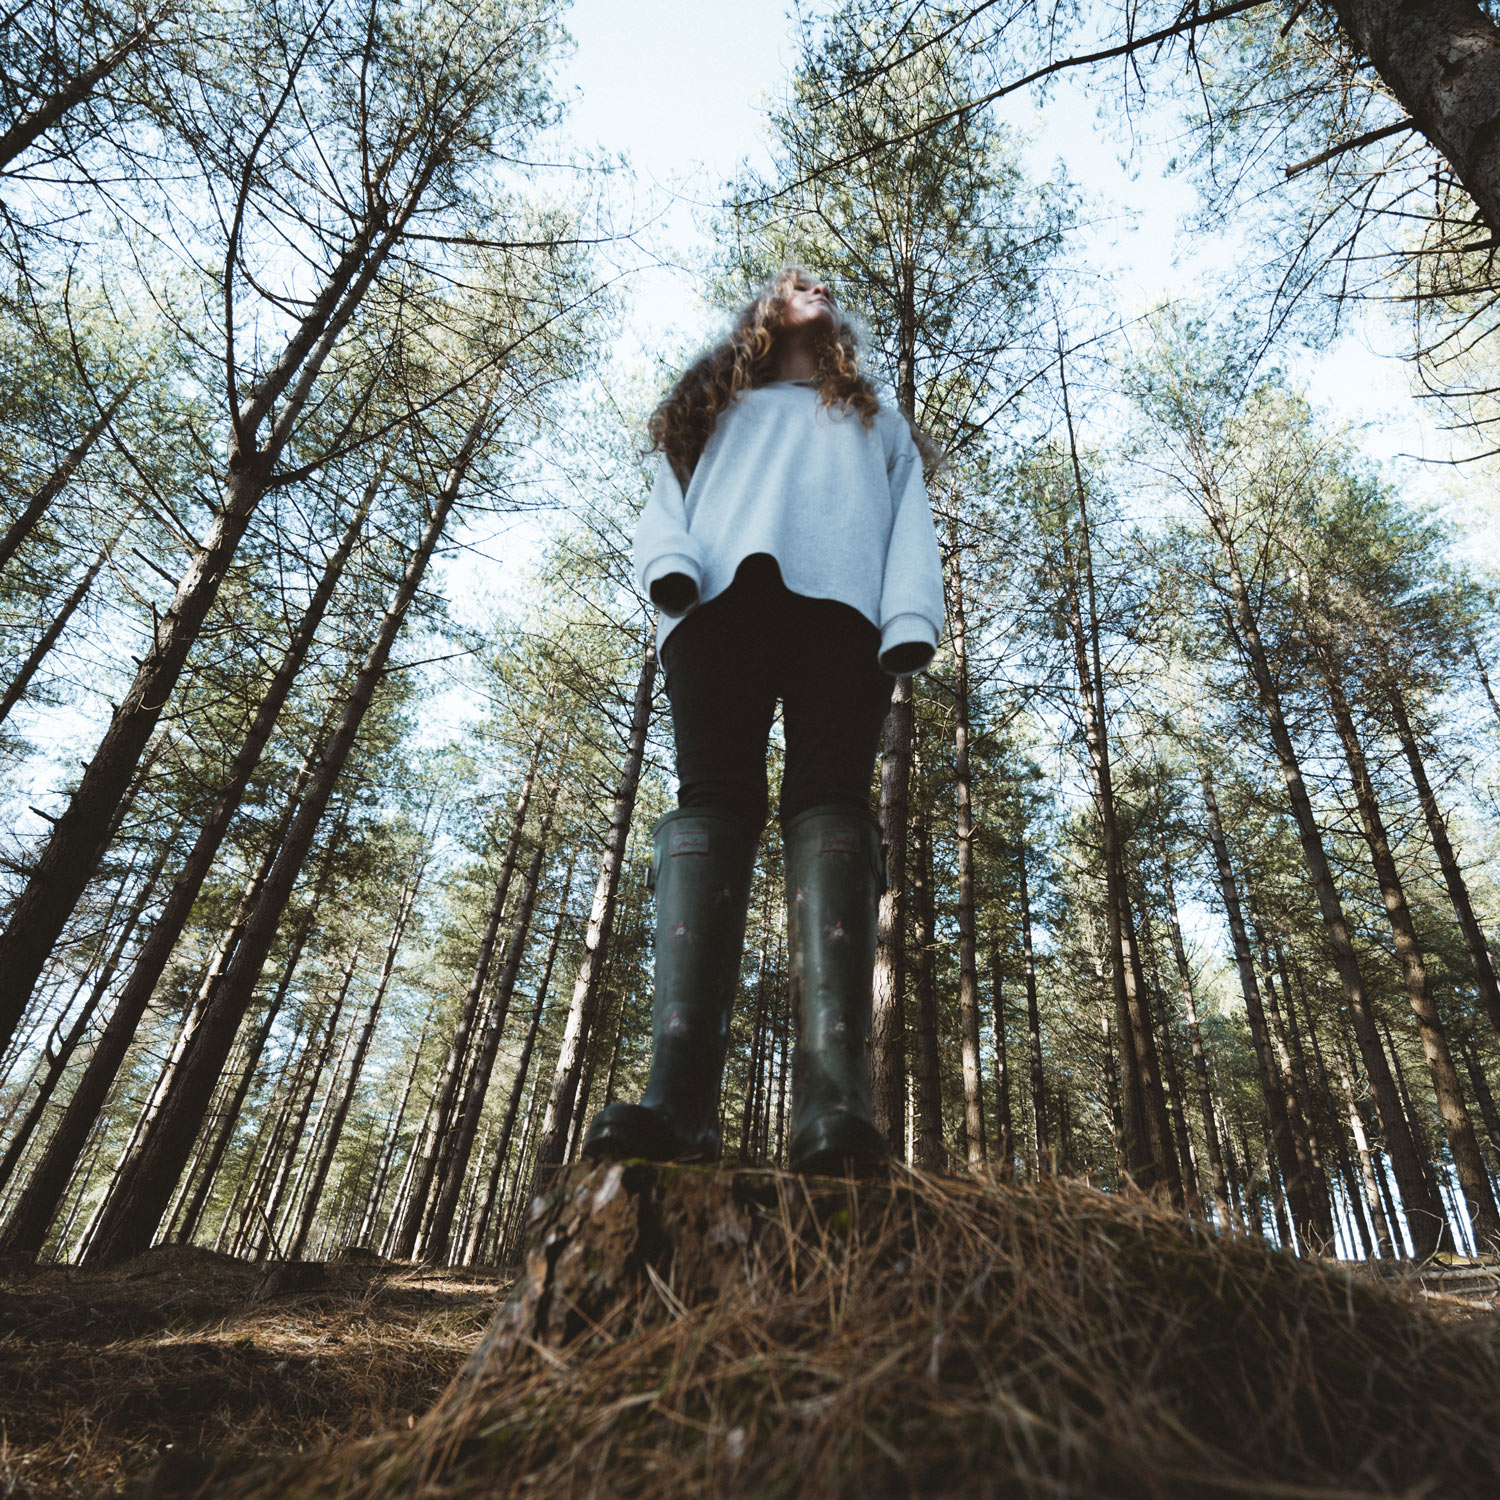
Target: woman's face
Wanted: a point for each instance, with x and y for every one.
(808, 308)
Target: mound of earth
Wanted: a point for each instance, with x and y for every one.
(680, 1332)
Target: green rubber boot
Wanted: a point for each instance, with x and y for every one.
(701, 864)
(834, 873)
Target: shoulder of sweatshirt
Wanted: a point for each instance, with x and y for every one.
(755, 405)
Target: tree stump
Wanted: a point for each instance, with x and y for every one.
(649, 1240)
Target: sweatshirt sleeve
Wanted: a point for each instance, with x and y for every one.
(663, 545)
(911, 600)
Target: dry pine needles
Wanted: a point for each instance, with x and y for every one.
(680, 1332)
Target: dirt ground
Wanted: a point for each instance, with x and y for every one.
(144, 1379)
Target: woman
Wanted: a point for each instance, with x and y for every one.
(789, 545)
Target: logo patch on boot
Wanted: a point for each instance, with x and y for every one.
(837, 841)
(695, 842)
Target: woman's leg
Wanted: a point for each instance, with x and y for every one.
(722, 685)
(836, 700)
(703, 855)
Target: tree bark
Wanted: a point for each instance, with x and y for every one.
(1441, 59)
(50, 112)
(755, 1100)
(1425, 1211)
(131, 1226)
(1040, 1142)
(1457, 1125)
(931, 1150)
(1176, 1099)
(356, 1065)
(76, 844)
(1293, 1073)
(968, 958)
(432, 1145)
(1005, 1131)
(1279, 1127)
(366, 1231)
(57, 481)
(1484, 678)
(26, 1229)
(223, 1128)
(439, 1231)
(58, 1061)
(268, 1211)
(155, 953)
(554, 1137)
(1453, 875)
(1195, 1042)
(479, 1231)
(888, 1017)
(1145, 1129)
(16, 689)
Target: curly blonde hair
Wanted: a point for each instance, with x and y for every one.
(681, 426)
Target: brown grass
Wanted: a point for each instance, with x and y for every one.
(935, 1338)
(144, 1378)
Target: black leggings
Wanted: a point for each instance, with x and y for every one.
(729, 662)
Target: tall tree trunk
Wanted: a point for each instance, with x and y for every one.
(432, 1147)
(16, 689)
(1441, 60)
(554, 1137)
(1484, 677)
(366, 1230)
(479, 1231)
(1195, 1041)
(1005, 1130)
(449, 1181)
(253, 1169)
(931, 1152)
(1107, 1042)
(1453, 875)
(223, 1128)
(1145, 1127)
(57, 481)
(132, 1224)
(1431, 1168)
(59, 1058)
(1457, 1125)
(356, 1065)
(271, 1208)
(1176, 1099)
(968, 958)
(1293, 1074)
(1279, 1128)
(151, 962)
(78, 840)
(888, 1017)
(1482, 1094)
(310, 1149)
(1040, 1142)
(1425, 1211)
(26, 1229)
(759, 1027)
(36, 122)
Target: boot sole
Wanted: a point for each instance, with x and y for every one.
(839, 1148)
(631, 1132)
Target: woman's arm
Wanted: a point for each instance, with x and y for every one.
(911, 601)
(668, 562)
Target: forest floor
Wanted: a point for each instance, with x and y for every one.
(141, 1379)
(681, 1333)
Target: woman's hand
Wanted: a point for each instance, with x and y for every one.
(675, 593)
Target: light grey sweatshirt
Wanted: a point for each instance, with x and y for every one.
(841, 507)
